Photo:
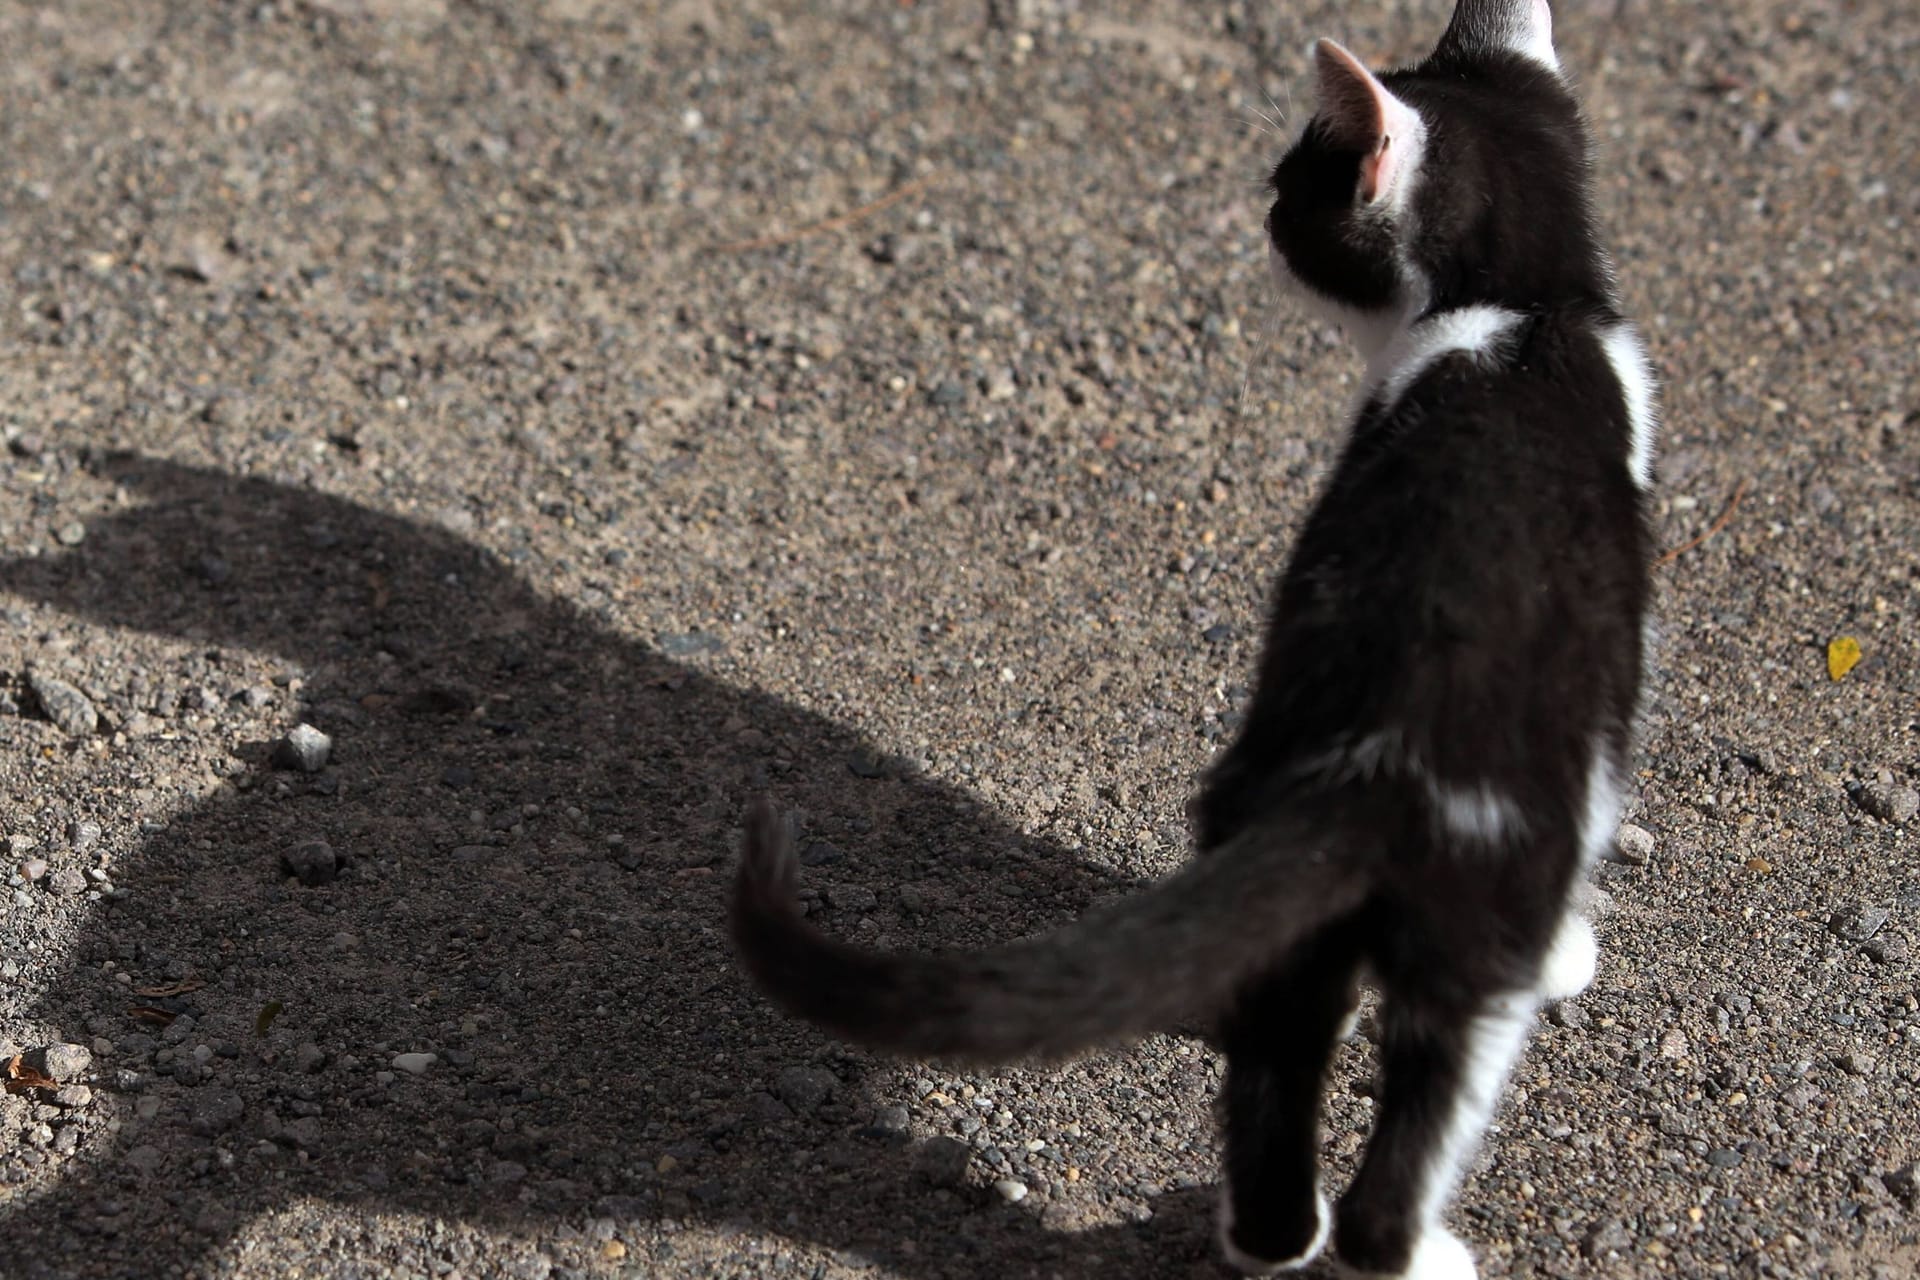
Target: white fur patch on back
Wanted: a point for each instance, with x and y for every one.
(1475, 331)
(1478, 814)
(1629, 360)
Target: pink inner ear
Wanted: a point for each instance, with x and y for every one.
(1361, 113)
(1381, 167)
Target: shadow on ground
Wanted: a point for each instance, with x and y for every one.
(599, 1057)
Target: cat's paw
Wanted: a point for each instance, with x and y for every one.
(1248, 1265)
(1571, 961)
(1440, 1255)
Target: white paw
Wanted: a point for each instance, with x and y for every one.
(1441, 1255)
(1571, 961)
(1248, 1265)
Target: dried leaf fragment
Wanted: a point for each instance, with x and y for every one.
(268, 1012)
(21, 1077)
(179, 988)
(1843, 655)
(150, 1013)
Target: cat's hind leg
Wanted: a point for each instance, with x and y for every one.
(1444, 1060)
(1278, 1039)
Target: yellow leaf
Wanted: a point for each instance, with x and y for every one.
(1843, 655)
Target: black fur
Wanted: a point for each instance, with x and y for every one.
(1442, 708)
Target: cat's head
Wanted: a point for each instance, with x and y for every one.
(1462, 179)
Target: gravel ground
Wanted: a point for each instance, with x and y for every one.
(447, 378)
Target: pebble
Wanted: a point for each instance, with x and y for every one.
(689, 644)
(805, 1088)
(1567, 1014)
(73, 1096)
(69, 709)
(66, 1062)
(213, 1111)
(415, 1063)
(313, 861)
(1609, 1239)
(1889, 803)
(1856, 922)
(71, 534)
(34, 868)
(82, 834)
(852, 897)
(1888, 948)
(306, 749)
(67, 882)
(1012, 1190)
(943, 1161)
(1633, 845)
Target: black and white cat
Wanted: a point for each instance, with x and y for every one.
(1435, 746)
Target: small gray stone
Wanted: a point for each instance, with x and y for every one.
(1888, 948)
(415, 1063)
(146, 1159)
(82, 833)
(1012, 1190)
(943, 1161)
(69, 709)
(65, 1062)
(1857, 1064)
(765, 1107)
(852, 897)
(690, 644)
(313, 861)
(73, 1096)
(303, 1133)
(1904, 1184)
(306, 749)
(1723, 1157)
(1567, 1014)
(34, 868)
(1856, 921)
(892, 1119)
(1889, 803)
(1633, 845)
(71, 534)
(309, 1057)
(805, 1088)
(1610, 1239)
(213, 1111)
(67, 882)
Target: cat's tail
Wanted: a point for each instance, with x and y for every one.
(1157, 957)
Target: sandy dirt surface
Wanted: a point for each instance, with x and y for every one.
(451, 377)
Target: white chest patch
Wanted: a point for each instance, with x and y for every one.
(1476, 331)
(1629, 361)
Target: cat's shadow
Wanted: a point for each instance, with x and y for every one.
(541, 814)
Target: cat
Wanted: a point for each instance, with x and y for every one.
(1439, 729)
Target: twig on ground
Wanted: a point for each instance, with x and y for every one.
(835, 223)
(1733, 503)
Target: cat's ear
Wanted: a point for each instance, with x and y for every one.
(1361, 114)
(1524, 27)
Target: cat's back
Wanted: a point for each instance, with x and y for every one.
(1479, 556)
